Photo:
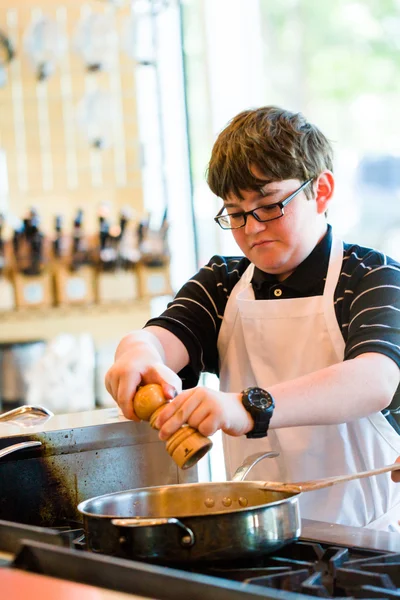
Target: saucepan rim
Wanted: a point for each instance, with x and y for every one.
(259, 485)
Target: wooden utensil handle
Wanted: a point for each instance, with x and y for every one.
(319, 484)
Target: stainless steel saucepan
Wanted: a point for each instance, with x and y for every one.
(202, 521)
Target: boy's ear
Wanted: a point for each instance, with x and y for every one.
(324, 188)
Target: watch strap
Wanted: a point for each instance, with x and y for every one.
(260, 428)
(261, 416)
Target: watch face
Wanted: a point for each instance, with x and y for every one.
(259, 398)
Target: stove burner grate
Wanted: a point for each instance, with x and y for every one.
(310, 568)
(325, 572)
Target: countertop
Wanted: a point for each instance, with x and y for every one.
(350, 536)
(32, 424)
(18, 585)
(73, 432)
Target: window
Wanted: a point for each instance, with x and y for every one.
(336, 61)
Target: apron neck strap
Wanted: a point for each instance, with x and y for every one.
(334, 267)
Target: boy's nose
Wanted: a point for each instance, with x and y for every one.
(253, 226)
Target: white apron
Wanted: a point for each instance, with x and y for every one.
(265, 342)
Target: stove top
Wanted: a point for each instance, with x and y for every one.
(322, 570)
(303, 569)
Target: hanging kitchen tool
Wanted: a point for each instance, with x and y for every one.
(139, 28)
(45, 44)
(36, 240)
(72, 270)
(128, 246)
(28, 244)
(103, 215)
(58, 238)
(201, 521)
(117, 244)
(80, 246)
(95, 41)
(109, 237)
(153, 243)
(95, 116)
(137, 36)
(118, 254)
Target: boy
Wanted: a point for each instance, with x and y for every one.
(303, 331)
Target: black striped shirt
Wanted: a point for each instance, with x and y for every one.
(367, 305)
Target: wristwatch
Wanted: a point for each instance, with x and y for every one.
(260, 404)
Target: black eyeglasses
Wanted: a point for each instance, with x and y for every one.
(268, 212)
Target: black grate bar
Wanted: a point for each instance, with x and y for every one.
(314, 586)
(370, 591)
(122, 575)
(13, 534)
(291, 581)
(350, 579)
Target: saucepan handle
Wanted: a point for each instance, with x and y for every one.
(16, 447)
(251, 462)
(187, 540)
(37, 411)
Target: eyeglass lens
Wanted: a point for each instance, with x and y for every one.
(263, 213)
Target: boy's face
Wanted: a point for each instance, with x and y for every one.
(279, 246)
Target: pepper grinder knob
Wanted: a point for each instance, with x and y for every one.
(187, 445)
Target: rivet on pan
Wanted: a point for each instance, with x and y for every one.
(122, 539)
(209, 502)
(187, 540)
(226, 501)
(243, 501)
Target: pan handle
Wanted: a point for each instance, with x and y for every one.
(187, 540)
(37, 411)
(16, 447)
(251, 462)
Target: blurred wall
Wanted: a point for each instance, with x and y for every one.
(50, 162)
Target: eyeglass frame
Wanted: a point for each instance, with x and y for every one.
(282, 205)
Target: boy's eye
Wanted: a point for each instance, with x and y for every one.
(236, 216)
(268, 211)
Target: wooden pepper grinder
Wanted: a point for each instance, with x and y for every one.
(187, 445)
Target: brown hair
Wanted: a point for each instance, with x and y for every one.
(281, 144)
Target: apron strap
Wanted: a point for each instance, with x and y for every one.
(230, 316)
(332, 278)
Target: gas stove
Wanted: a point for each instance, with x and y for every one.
(329, 561)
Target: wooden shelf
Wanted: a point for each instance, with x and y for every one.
(103, 322)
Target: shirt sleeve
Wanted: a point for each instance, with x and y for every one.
(371, 313)
(373, 300)
(195, 314)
